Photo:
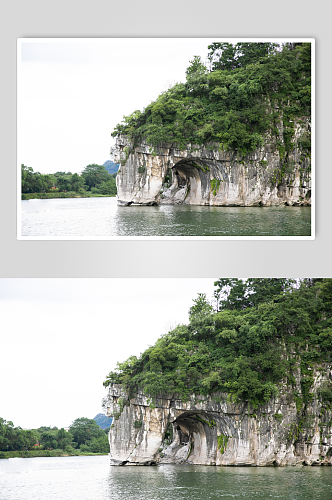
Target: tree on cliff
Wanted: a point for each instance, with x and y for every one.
(251, 89)
(238, 294)
(201, 306)
(267, 331)
(225, 56)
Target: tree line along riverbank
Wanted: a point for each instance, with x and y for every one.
(68, 194)
(94, 181)
(46, 453)
(83, 437)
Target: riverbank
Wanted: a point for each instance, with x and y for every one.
(69, 194)
(46, 453)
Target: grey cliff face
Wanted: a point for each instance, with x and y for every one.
(213, 431)
(208, 176)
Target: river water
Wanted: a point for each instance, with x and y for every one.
(91, 478)
(101, 217)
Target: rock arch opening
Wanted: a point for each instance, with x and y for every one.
(186, 181)
(247, 180)
(196, 437)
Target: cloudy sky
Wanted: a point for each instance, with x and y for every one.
(61, 337)
(73, 92)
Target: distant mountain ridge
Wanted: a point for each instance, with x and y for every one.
(103, 421)
(111, 167)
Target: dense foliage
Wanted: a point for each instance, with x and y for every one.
(247, 90)
(14, 438)
(93, 179)
(84, 434)
(89, 436)
(260, 333)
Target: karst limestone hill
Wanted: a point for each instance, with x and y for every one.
(248, 384)
(237, 132)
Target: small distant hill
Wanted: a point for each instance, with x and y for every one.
(111, 167)
(103, 421)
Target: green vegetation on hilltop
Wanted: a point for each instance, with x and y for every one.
(94, 180)
(262, 334)
(248, 90)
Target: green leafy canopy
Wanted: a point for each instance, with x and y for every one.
(247, 91)
(261, 332)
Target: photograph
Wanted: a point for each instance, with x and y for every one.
(165, 138)
(187, 388)
(166, 279)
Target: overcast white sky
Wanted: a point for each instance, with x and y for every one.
(73, 92)
(61, 337)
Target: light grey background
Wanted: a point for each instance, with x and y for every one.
(159, 18)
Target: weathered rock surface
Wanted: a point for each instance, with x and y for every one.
(208, 176)
(212, 431)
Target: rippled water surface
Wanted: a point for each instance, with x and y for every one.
(91, 478)
(101, 217)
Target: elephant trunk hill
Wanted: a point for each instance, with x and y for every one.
(236, 133)
(209, 432)
(207, 176)
(250, 384)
